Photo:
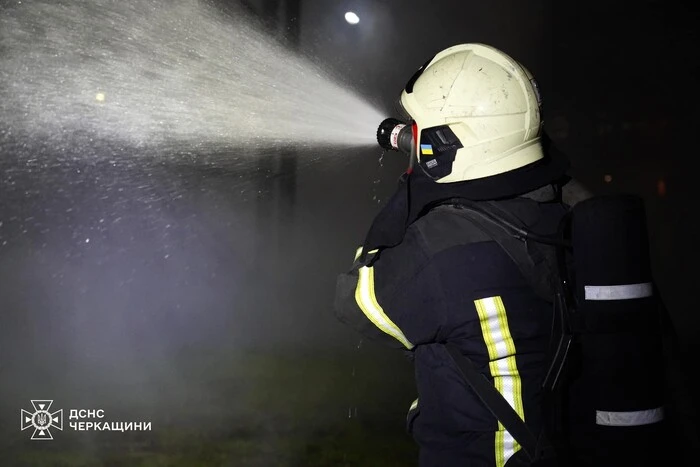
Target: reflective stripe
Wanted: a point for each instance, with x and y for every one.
(618, 292)
(411, 414)
(367, 301)
(359, 252)
(641, 417)
(503, 368)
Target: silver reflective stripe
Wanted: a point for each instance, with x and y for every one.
(618, 292)
(641, 417)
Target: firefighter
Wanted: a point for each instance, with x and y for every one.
(428, 275)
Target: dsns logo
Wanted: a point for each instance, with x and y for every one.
(42, 419)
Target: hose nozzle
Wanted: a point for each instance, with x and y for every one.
(394, 135)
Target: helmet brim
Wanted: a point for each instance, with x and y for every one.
(552, 168)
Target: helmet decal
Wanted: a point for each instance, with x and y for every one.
(438, 149)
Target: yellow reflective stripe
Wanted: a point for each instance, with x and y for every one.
(359, 252)
(503, 368)
(501, 447)
(414, 405)
(367, 301)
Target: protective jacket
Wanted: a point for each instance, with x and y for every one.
(448, 281)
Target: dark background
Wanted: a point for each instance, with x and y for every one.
(203, 300)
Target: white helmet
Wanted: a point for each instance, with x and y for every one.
(476, 114)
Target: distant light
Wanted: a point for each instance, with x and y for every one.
(661, 187)
(100, 97)
(607, 178)
(352, 18)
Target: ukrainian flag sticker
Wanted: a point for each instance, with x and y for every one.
(426, 149)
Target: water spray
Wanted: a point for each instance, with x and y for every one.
(182, 73)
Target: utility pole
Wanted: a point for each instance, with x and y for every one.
(276, 171)
(288, 162)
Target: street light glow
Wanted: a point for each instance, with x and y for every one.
(352, 18)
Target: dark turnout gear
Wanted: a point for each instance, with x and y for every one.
(418, 193)
(473, 303)
(448, 281)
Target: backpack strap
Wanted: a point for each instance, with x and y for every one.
(530, 251)
(541, 251)
(526, 249)
(494, 401)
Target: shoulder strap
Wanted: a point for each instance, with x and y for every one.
(494, 401)
(552, 286)
(514, 239)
